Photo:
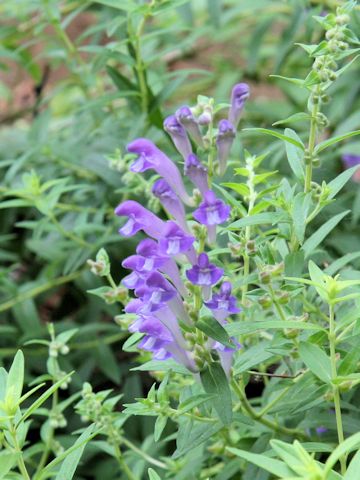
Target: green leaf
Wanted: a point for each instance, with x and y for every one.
(345, 447)
(316, 360)
(349, 362)
(195, 436)
(153, 475)
(316, 238)
(160, 424)
(15, 382)
(193, 402)
(354, 468)
(241, 328)
(212, 328)
(7, 461)
(215, 382)
(337, 184)
(331, 141)
(239, 188)
(162, 366)
(253, 356)
(39, 401)
(294, 263)
(276, 134)
(299, 213)
(69, 465)
(258, 219)
(295, 154)
(276, 467)
(297, 117)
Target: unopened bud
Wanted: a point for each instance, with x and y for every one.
(265, 301)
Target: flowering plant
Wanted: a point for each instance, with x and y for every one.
(220, 292)
(238, 299)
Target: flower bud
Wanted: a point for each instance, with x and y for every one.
(265, 277)
(265, 301)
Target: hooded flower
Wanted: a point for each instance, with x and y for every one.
(186, 118)
(224, 141)
(169, 200)
(178, 135)
(240, 93)
(204, 273)
(151, 157)
(175, 240)
(212, 211)
(139, 218)
(223, 303)
(155, 292)
(154, 260)
(197, 173)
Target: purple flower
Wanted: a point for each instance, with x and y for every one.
(139, 218)
(155, 292)
(197, 173)
(141, 267)
(204, 273)
(186, 118)
(226, 354)
(212, 211)
(223, 303)
(151, 157)
(351, 160)
(224, 141)
(174, 240)
(169, 200)
(154, 260)
(178, 135)
(239, 94)
(321, 430)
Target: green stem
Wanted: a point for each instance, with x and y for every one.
(20, 462)
(69, 235)
(337, 400)
(123, 465)
(144, 455)
(264, 421)
(252, 200)
(37, 290)
(311, 144)
(277, 304)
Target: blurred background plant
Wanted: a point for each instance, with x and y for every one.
(78, 81)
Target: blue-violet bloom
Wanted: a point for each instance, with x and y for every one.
(197, 173)
(224, 141)
(240, 93)
(178, 135)
(211, 212)
(151, 157)
(139, 218)
(186, 118)
(170, 201)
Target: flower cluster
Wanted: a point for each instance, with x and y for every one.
(167, 306)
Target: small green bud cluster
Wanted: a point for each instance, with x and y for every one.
(101, 266)
(337, 39)
(56, 347)
(95, 408)
(57, 419)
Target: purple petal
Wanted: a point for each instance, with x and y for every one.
(174, 240)
(170, 201)
(197, 173)
(139, 218)
(240, 93)
(224, 141)
(186, 118)
(212, 211)
(204, 273)
(178, 135)
(151, 157)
